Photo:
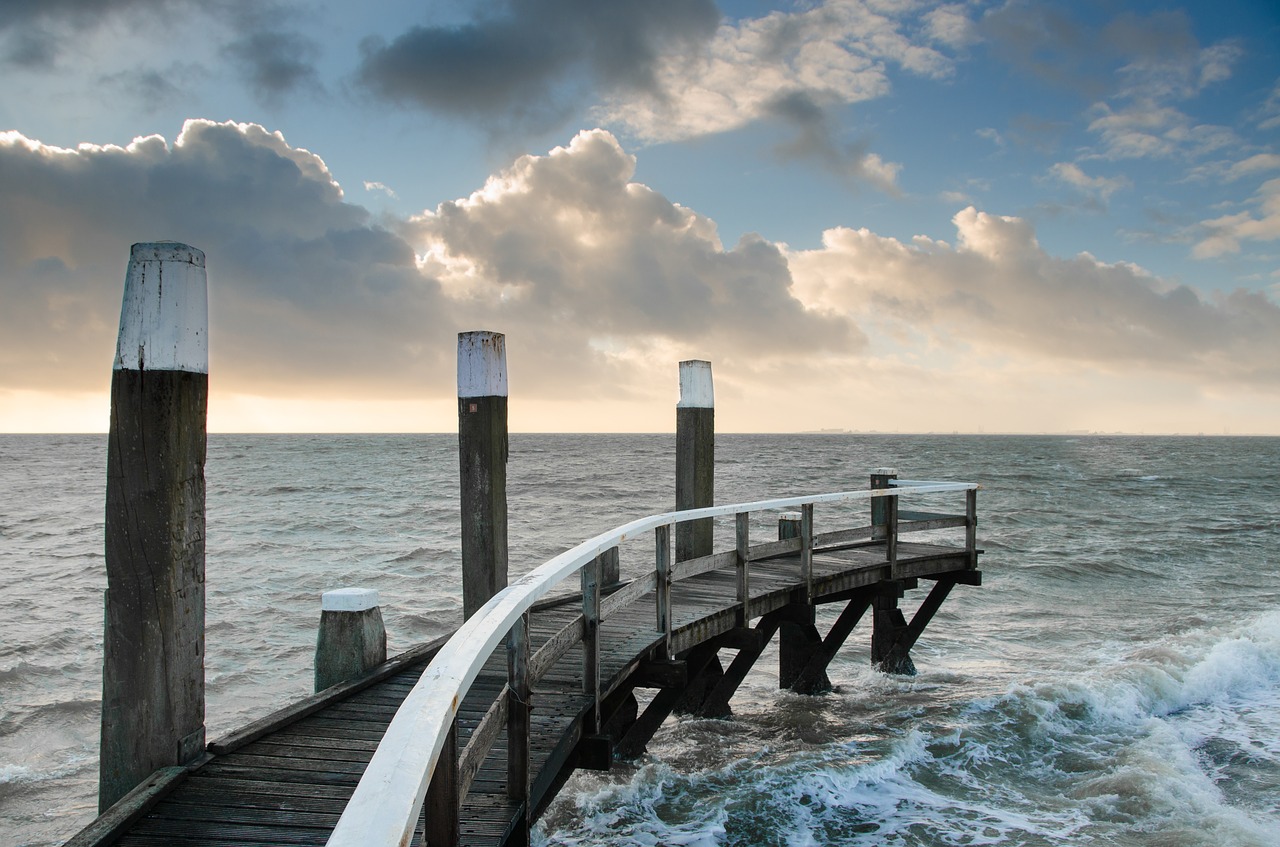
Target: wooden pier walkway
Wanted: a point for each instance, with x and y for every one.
(285, 780)
(460, 742)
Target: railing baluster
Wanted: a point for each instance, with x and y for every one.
(443, 803)
(662, 564)
(742, 527)
(971, 526)
(518, 711)
(591, 637)
(806, 550)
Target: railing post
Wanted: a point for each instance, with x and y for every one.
(891, 539)
(591, 637)
(742, 537)
(695, 457)
(662, 564)
(443, 803)
(518, 712)
(153, 689)
(610, 568)
(879, 505)
(971, 526)
(806, 550)
(482, 460)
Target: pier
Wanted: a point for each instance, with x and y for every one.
(467, 739)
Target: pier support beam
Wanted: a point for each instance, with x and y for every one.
(890, 641)
(352, 637)
(695, 457)
(153, 641)
(482, 460)
(798, 637)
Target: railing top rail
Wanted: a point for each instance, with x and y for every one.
(384, 808)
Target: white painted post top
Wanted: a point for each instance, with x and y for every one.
(884, 472)
(482, 364)
(349, 600)
(696, 389)
(790, 516)
(164, 316)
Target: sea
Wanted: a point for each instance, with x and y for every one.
(1114, 681)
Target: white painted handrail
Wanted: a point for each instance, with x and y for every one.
(385, 806)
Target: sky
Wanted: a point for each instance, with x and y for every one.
(868, 215)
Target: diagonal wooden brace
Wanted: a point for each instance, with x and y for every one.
(905, 637)
(637, 736)
(813, 677)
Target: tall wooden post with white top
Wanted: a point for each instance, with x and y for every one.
(695, 457)
(482, 459)
(153, 641)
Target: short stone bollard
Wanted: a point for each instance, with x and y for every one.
(352, 637)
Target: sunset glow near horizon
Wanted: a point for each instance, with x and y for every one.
(868, 215)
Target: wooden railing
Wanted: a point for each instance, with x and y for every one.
(419, 750)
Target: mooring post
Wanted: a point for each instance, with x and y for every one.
(798, 638)
(482, 459)
(695, 457)
(153, 641)
(352, 637)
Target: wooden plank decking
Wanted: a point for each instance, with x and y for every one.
(288, 785)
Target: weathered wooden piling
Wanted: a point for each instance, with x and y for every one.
(352, 637)
(482, 458)
(153, 641)
(695, 457)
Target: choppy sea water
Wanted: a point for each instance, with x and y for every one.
(1115, 681)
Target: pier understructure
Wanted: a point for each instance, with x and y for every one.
(465, 741)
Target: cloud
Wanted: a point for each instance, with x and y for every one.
(998, 290)
(275, 63)
(529, 63)
(1223, 235)
(1150, 130)
(817, 139)
(1258, 163)
(833, 54)
(570, 250)
(39, 31)
(1099, 187)
(303, 285)
(1268, 115)
(597, 276)
(991, 135)
(260, 36)
(599, 281)
(951, 25)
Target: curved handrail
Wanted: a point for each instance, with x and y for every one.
(385, 806)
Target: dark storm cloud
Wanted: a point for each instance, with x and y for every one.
(275, 63)
(528, 62)
(816, 139)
